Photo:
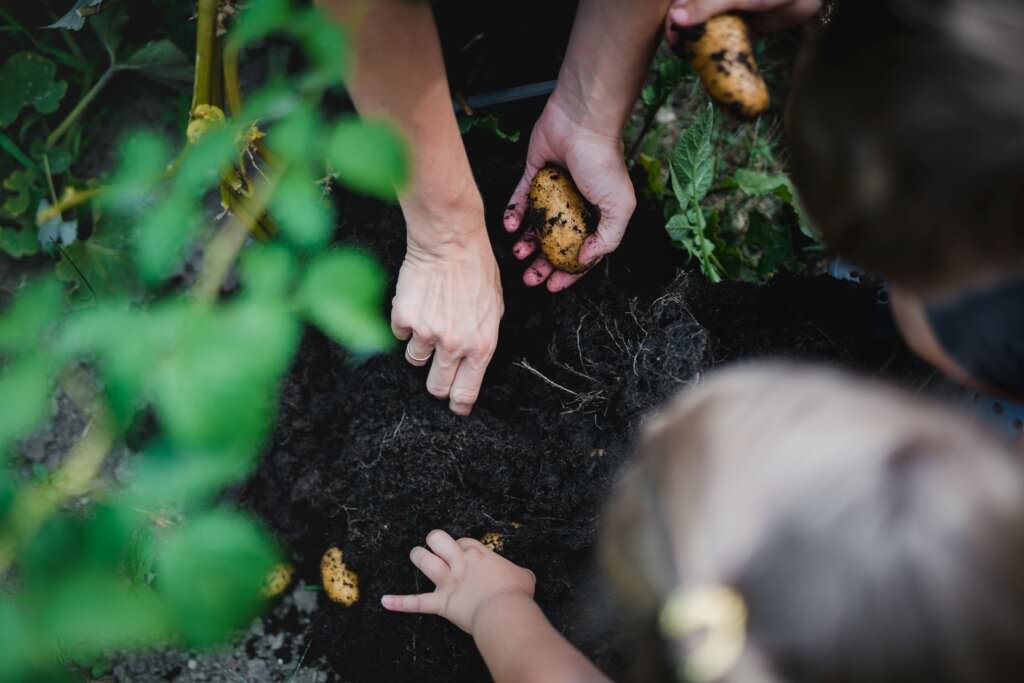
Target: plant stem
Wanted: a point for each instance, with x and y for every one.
(652, 113)
(83, 103)
(70, 200)
(206, 28)
(217, 74)
(33, 505)
(232, 88)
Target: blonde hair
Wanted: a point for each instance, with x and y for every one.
(815, 494)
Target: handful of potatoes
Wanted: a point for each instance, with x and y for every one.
(722, 55)
(560, 217)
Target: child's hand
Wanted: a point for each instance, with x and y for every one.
(767, 15)
(467, 576)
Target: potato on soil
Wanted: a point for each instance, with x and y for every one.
(560, 216)
(278, 579)
(340, 583)
(493, 541)
(722, 55)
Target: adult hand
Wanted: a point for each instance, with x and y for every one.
(595, 161)
(467, 577)
(767, 15)
(448, 303)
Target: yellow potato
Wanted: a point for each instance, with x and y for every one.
(340, 583)
(493, 540)
(560, 216)
(722, 55)
(278, 579)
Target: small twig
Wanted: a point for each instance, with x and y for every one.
(298, 666)
(526, 366)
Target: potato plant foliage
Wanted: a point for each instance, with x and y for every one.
(159, 560)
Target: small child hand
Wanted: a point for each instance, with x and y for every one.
(467, 577)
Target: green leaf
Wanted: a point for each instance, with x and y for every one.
(182, 480)
(142, 161)
(216, 392)
(693, 159)
(11, 147)
(28, 79)
(24, 397)
(18, 642)
(680, 227)
(326, 43)
(759, 184)
(489, 123)
(206, 159)
(299, 207)
(164, 232)
(369, 156)
(22, 184)
(59, 159)
(33, 310)
(299, 136)
(74, 20)
(267, 270)
(108, 26)
(55, 231)
(101, 266)
(209, 575)
(18, 243)
(773, 242)
(162, 60)
(259, 19)
(342, 293)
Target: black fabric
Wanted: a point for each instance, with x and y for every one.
(983, 331)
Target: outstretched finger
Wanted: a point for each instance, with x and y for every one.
(424, 603)
(444, 546)
(538, 272)
(516, 208)
(466, 387)
(442, 372)
(432, 566)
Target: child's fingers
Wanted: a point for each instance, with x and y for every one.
(444, 545)
(432, 566)
(425, 603)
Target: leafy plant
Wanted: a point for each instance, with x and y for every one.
(159, 561)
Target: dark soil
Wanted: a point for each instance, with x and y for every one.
(365, 459)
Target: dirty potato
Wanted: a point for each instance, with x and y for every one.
(560, 216)
(340, 583)
(722, 55)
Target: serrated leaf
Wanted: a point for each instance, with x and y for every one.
(210, 572)
(298, 206)
(162, 60)
(74, 20)
(680, 227)
(342, 294)
(370, 157)
(18, 243)
(27, 79)
(55, 231)
(33, 310)
(693, 159)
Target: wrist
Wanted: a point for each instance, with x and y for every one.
(436, 221)
(570, 103)
(496, 608)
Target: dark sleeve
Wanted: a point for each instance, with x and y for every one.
(983, 331)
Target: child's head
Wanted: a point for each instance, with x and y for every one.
(906, 129)
(871, 536)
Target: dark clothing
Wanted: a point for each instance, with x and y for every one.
(983, 331)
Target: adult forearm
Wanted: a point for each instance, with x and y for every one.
(399, 75)
(519, 645)
(608, 56)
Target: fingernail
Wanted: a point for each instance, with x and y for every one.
(386, 601)
(679, 15)
(461, 409)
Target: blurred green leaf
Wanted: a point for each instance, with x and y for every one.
(162, 60)
(18, 243)
(305, 216)
(259, 19)
(59, 159)
(216, 392)
(18, 642)
(168, 477)
(209, 575)
(25, 320)
(21, 184)
(202, 165)
(326, 43)
(65, 545)
(28, 79)
(369, 156)
(11, 147)
(342, 293)
(298, 137)
(24, 397)
(74, 20)
(489, 123)
(142, 161)
(267, 270)
(164, 232)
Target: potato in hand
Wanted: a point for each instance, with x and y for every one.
(560, 217)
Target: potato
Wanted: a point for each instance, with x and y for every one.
(340, 583)
(493, 540)
(722, 55)
(278, 579)
(560, 216)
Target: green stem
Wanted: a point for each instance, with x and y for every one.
(83, 103)
(232, 88)
(206, 29)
